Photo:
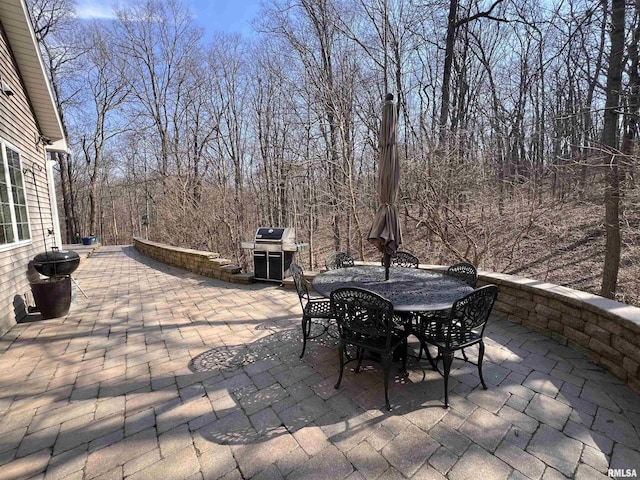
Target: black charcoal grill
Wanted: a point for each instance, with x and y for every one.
(273, 251)
(56, 263)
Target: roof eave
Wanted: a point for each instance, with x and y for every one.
(24, 46)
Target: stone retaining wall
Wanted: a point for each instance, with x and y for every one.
(607, 331)
(207, 264)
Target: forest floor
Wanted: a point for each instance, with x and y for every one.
(565, 246)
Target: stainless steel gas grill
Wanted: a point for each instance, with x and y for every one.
(273, 251)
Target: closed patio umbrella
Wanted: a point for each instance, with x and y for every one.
(385, 230)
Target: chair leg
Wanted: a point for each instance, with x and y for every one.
(422, 345)
(305, 334)
(429, 357)
(447, 360)
(480, 357)
(464, 355)
(341, 355)
(404, 356)
(386, 366)
(360, 354)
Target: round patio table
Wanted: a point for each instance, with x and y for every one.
(408, 289)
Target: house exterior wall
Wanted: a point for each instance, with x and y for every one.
(18, 128)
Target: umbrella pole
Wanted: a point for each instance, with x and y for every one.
(386, 261)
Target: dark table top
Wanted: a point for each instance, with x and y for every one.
(408, 289)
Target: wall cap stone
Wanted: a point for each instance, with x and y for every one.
(189, 251)
(577, 298)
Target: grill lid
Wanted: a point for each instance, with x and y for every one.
(268, 233)
(276, 235)
(56, 262)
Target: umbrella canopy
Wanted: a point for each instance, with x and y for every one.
(385, 230)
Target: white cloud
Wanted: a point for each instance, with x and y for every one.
(94, 9)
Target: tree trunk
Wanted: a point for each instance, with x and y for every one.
(610, 143)
(445, 91)
(71, 228)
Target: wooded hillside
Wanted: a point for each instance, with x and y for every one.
(517, 129)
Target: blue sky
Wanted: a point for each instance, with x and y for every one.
(212, 15)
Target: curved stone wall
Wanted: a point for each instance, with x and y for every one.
(207, 264)
(606, 330)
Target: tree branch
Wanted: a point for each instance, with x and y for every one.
(486, 14)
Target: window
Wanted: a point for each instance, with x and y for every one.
(14, 221)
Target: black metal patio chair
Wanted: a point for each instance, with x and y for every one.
(465, 272)
(316, 311)
(366, 322)
(338, 260)
(404, 259)
(463, 328)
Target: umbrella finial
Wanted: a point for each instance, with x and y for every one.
(388, 96)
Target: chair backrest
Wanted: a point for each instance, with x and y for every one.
(465, 272)
(470, 313)
(300, 282)
(404, 259)
(338, 260)
(363, 313)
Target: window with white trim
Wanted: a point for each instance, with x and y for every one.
(14, 221)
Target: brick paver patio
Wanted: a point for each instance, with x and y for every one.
(163, 374)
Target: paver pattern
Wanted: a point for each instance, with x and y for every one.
(163, 374)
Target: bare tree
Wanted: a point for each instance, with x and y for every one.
(453, 23)
(109, 88)
(157, 41)
(316, 53)
(230, 85)
(62, 51)
(610, 141)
